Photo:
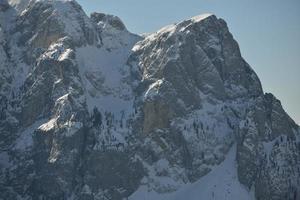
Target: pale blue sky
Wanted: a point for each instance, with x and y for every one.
(268, 33)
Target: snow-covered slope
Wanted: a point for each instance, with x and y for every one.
(92, 111)
(220, 183)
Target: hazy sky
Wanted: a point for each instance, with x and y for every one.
(268, 33)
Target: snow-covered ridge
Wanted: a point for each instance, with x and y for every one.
(179, 26)
(22, 5)
(199, 18)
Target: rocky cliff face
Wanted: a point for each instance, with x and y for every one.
(92, 111)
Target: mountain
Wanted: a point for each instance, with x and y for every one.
(92, 111)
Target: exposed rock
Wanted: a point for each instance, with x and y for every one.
(110, 20)
(92, 111)
(3, 5)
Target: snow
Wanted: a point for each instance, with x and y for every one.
(65, 55)
(104, 75)
(199, 18)
(49, 125)
(221, 183)
(169, 183)
(19, 5)
(107, 63)
(153, 89)
(66, 14)
(18, 69)
(72, 127)
(171, 29)
(101, 72)
(65, 11)
(209, 115)
(104, 71)
(151, 37)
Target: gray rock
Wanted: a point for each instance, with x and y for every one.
(92, 111)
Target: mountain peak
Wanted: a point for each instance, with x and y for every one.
(108, 20)
(202, 17)
(208, 37)
(62, 18)
(184, 25)
(89, 110)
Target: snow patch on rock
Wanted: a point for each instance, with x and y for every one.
(221, 183)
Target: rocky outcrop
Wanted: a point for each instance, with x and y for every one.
(92, 111)
(108, 20)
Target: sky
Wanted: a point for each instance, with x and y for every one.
(268, 33)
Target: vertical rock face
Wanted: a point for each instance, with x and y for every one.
(266, 140)
(92, 111)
